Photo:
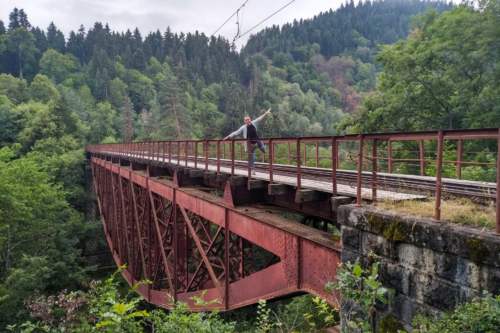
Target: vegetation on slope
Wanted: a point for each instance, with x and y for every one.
(99, 85)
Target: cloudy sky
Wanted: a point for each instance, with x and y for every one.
(149, 15)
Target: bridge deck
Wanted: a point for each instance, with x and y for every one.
(278, 177)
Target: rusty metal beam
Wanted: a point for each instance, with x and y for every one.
(160, 241)
(251, 227)
(201, 251)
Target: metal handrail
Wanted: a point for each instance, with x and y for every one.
(187, 149)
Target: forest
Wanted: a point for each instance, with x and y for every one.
(392, 65)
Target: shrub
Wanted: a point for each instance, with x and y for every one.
(481, 315)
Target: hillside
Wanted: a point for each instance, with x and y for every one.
(309, 72)
(59, 93)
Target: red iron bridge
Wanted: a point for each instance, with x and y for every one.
(189, 217)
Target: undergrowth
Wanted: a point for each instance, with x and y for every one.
(461, 211)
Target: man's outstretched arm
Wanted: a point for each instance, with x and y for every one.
(256, 120)
(235, 133)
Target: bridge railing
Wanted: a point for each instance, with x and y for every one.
(364, 161)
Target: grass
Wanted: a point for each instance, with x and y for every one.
(461, 211)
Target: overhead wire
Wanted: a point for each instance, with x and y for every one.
(237, 27)
(230, 17)
(265, 19)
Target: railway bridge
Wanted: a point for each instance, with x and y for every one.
(190, 217)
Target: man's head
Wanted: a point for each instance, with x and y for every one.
(247, 120)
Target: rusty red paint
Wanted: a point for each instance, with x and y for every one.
(359, 170)
(296, 270)
(335, 153)
(439, 165)
(460, 148)
(374, 170)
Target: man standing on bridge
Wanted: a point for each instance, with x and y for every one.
(249, 131)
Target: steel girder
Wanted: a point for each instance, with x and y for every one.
(187, 243)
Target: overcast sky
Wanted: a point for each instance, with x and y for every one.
(148, 15)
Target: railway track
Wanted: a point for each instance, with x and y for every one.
(482, 191)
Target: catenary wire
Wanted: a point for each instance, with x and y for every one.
(267, 18)
(230, 17)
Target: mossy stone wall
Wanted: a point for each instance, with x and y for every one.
(430, 265)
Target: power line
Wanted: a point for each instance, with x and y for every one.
(267, 18)
(237, 25)
(230, 17)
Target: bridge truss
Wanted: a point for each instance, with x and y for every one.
(191, 245)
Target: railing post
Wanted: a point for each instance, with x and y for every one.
(178, 152)
(460, 148)
(421, 157)
(337, 154)
(170, 152)
(374, 170)
(317, 154)
(305, 153)
(389, 156)
(498, 183)
(186, 152)
(289, 154)
(439, 162)
(218, 156)
(249, 153)
(271, 159)
(206, 154)
(158, 144)
(232, 157)
(299, 170)
(360, 171)
(196, 154)
(264, 156)
(334, 166)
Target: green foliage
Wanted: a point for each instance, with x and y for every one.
(57, 66)
(180, 319)
(302, 314)
(43, 90)
(361, 290)
(113, 311)
(9, 122)
(444, 75)
(13, 88)
(105, 86)
(39, 231)
(107, 308)
(478, 315)
(264, 321)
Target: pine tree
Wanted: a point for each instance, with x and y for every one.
(14, 19)
(172, 101)
(23, 19)
(55, 38)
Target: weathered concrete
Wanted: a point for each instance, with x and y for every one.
(431, 266)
